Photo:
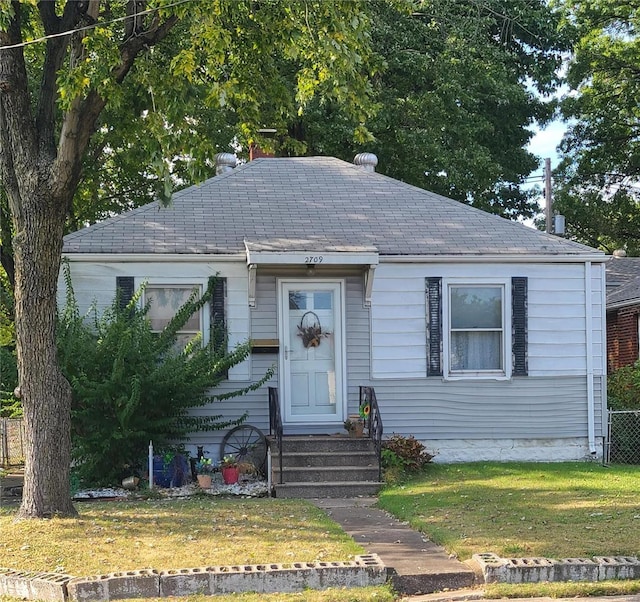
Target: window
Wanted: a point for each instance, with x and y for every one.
(164, 302)
(476, 329)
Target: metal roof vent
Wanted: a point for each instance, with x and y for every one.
(224, 162)
(366, 161)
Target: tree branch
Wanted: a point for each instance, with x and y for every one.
(18, 149)
(80, 121)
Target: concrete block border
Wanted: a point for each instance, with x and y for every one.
(363, 571)
(495, 569)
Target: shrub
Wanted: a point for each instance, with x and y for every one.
(10, 407)
(402, 456)
(623, 388)
(132, 385)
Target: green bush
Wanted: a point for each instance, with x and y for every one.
(623, 387)
(132, 385)
(10, 407)
(403, 456)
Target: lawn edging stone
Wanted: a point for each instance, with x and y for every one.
(365, 570)
(34, 585)
(495, 569)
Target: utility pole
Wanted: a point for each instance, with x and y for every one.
(548, 210)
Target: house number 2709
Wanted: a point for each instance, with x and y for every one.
(313, 259)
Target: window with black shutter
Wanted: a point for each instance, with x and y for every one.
(467, 333)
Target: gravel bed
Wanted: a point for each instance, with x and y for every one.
(244, 488)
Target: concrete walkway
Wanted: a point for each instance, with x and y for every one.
(416, 565)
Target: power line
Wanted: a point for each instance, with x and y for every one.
(93, 26)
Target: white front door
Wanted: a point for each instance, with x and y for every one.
(312, 354)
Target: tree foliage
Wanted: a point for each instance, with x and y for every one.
(132, 385)
(453, 89)
(227, 83)
(456, 98)
(623, 388)
(599, 179)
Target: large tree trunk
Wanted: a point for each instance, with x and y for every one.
(46, 394)
(40, 176)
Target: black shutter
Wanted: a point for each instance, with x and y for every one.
(124, 289)
(434, 326)
(519, 287)
(217, 307)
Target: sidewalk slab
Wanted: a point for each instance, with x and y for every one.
(415, 564)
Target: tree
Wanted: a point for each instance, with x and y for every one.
(599, 187)
(54, 93)
(457, 98)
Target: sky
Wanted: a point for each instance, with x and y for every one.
(544, 144)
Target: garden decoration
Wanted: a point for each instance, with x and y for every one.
(204, 468)
(364, 411)
(230, 470)
(310, 330)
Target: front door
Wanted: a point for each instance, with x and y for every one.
(312, 355)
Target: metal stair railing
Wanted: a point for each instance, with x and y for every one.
(275, 423)
(373, 422)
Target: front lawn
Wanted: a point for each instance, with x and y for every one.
(164, 534)
(556, 510)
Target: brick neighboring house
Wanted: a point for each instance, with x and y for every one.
(623, 311)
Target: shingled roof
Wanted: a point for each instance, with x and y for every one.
(623, 282)
(313, 204)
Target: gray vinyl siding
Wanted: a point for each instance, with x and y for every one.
(263, 324)
(524, 408)
(545, 405)
(255, 403)
(358, 339)
(557, 318)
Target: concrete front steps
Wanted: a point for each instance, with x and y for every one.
(317, 466)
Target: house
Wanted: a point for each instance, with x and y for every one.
(623, 310)
(483, 338)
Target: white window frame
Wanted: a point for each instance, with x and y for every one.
(183, 284)
(505, 285)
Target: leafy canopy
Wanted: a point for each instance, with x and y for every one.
(600, 176)
(457, 98)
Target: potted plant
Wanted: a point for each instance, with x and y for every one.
(204, 468)
(354, 425)
(230, 470)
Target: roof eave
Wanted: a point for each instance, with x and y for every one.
(497, 258)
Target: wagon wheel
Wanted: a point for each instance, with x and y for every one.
(248, 444)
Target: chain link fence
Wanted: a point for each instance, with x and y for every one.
(623, 440)
(12, 442)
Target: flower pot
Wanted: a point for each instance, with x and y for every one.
(204, 480)
(130, 482)
(357, 431)
(357, 426)
(230, 475)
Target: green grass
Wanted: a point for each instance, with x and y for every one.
(163, 534)
(555, 510)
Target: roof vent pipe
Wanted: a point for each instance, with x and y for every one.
(366, 161)
(224, 162)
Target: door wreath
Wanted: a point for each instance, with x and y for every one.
(310, 330)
